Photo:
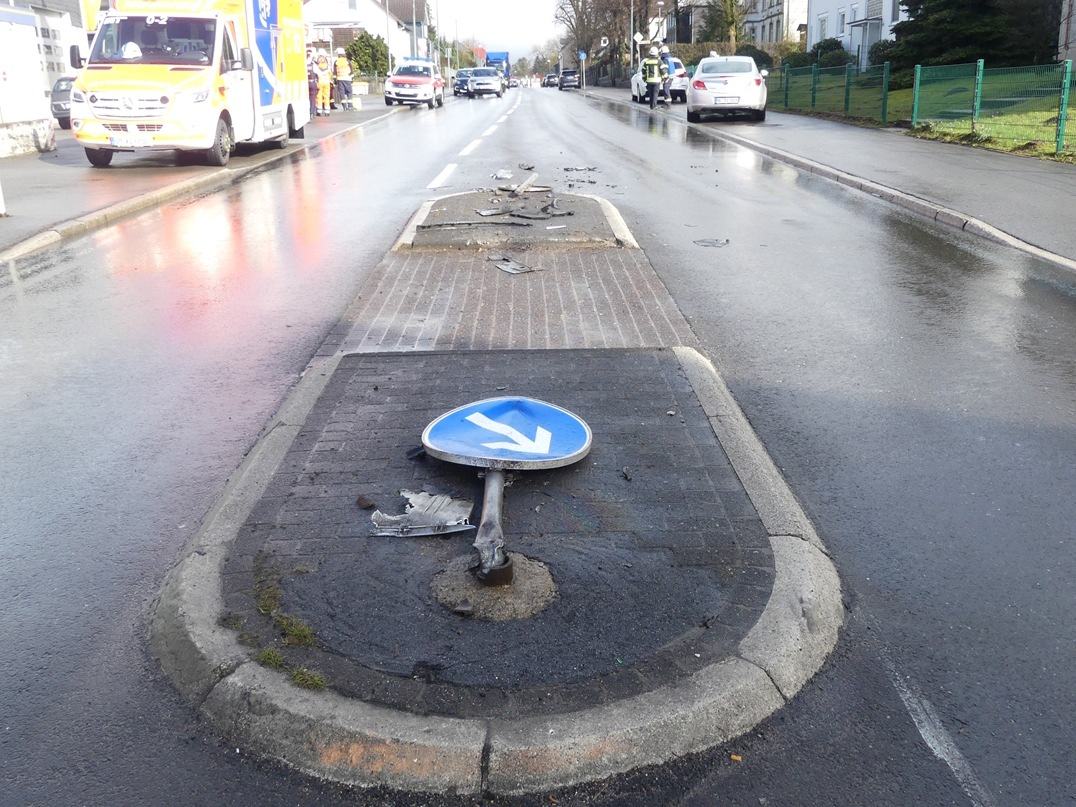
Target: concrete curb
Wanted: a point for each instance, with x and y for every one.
(344, 740)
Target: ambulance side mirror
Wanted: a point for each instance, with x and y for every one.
(76, 58)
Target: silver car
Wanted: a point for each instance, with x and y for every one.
(677, 86)
(726, 84)
(485, 81)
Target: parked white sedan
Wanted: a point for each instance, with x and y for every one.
(727, 84)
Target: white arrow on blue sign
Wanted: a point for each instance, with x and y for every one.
(519, 433)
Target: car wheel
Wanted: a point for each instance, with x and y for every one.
(429, 104)
(693, 116)
(388, 101)
(221, 149)
(500, 94)
(441, 99)
(65, 123)
(760, 114)
(99, 158)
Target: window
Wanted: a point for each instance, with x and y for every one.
(823, 28)
(840, 24)
(895, 11)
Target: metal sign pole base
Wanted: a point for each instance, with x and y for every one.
(495, 566)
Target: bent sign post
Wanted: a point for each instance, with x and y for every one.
(502, 434)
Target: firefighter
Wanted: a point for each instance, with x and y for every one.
(324, 74)
(666, 83)
(654, 74)
(342, 74)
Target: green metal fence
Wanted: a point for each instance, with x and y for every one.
(1017, 105)
(842, 90)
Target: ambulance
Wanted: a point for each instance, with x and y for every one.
(191, 76)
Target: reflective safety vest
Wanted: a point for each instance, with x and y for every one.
(342, 68)
(654, 70)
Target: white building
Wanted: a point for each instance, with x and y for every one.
(401, 23)
(768, 22)
(858, 24)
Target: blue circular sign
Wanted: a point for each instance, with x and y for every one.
(511, 433)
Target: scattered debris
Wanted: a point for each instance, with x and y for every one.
(584, 168)
(526, 166)
(465, 608)
(735, 757)
(524, 185)
(626, 473)
(557, 227)
(510, 265)
(416, 453)
(495, 211)
(425, 514)
(671, 412)
(446, 225)
(712, 242)
(365, 502)
(504, 173)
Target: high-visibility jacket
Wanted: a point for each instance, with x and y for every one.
(654, 70)
(342, 68)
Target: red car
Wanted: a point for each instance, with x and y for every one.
(415, 81)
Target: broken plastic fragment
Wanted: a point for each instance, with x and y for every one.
(712, 242)
(504, 173)
(425, 514)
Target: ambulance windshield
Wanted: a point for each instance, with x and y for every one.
(154, 40)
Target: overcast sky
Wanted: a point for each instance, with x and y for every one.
(516, 26)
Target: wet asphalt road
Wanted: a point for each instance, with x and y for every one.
(914, 384)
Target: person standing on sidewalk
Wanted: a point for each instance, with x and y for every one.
(342, 74)
(654, 73)
(312, 86)
(324, 74)
(666, 82)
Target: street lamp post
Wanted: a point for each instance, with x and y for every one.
(661, 20)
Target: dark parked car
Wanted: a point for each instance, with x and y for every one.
(569, 79)
(61, 102)
(459, 86)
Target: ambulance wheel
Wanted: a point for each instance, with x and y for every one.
(292, 131)
(99, 158)
(222, 145)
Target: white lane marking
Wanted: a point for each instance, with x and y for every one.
(935, 735)
(489, 131)
(439, 180)
(469, 148)
(503, 117)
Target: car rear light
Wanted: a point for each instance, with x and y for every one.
(681, 73)
(699, 84)
(758, 82)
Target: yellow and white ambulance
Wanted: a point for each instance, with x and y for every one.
(191, 76)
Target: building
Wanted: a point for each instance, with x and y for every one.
(858, 24)
(768, 22)
(403, 24)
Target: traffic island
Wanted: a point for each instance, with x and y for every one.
(667, 593)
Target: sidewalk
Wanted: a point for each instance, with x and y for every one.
(58, 194)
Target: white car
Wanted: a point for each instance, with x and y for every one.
(485, 81)
(677, 89)
(726, 84)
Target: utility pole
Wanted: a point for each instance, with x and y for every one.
(414, 30)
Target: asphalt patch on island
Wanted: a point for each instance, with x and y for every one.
(659, 563)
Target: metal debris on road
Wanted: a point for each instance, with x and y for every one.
(510, 265)
(504, 173)
(584, 168)
(445, 225)
(557, 227)
(712, 242)
(526, 166)
(425, 514)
